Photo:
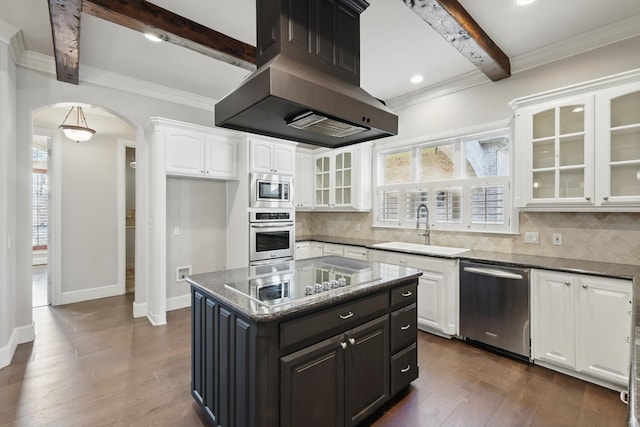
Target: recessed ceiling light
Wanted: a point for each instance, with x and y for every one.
(416, 79)
(154, 37)
(523, 2)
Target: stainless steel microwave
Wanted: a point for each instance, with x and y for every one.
(271, 191)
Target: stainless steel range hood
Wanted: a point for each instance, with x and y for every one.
(307, 85)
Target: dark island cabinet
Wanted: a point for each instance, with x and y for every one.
(355, 356)
(339, 381)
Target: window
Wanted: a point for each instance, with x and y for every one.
(464, 182)
(39, 197)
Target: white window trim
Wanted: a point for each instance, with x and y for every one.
(511, 214)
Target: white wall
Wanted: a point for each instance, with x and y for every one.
(10, 332)
(35, 90)
(89, 201)
(489, 102)
(198, 208)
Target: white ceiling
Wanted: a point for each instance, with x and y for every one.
(395, 42)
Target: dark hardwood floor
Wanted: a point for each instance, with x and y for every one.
(92, 364)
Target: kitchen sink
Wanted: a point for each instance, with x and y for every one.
(421, 249)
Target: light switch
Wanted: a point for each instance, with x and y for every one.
(176, 231)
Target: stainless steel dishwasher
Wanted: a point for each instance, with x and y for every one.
(494, 307)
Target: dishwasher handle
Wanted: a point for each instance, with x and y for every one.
(493, 273)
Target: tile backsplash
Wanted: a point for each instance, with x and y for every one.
(592, 236)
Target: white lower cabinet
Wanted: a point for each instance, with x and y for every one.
(348, 251)
(438, 303)
(583, 324)
(308, 249)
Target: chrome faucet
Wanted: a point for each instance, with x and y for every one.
(426, 233)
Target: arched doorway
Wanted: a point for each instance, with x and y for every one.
(88, 207)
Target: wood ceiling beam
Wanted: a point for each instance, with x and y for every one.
(138, 15)
(145, 17)
(455, 25)
(65, 30)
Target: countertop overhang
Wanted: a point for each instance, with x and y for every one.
(383, 276)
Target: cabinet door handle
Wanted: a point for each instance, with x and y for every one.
(568, 283)
(352, 341)
(588, 198)
(407, 294)
(628, 339)
(401, 261)
(404, 328)
(405, 369)
(605, 198)
(346, 316)
(343, 345)
(585, 286)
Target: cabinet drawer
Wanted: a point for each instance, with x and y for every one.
(403, 327)
(404, 294)
(331, 249)
(404, 368)
(332, 320)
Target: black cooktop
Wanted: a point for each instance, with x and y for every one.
(277, 284)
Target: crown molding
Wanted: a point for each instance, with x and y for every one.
(46, 64)
(447, 87)
(603, 36)
(12, 36)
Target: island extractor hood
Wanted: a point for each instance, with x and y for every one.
(307, 85)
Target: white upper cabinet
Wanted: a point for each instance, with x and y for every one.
(555, 153)
(342, 179)
(303, 185)
(618, 146)
(197, 151)
(269, 156)
(579, 148)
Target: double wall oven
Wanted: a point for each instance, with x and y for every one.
(271, 219)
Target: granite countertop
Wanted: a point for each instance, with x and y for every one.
(623, 271)
(232, 286)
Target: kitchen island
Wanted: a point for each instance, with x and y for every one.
(323, 341)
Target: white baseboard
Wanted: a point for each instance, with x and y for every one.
(139, 309)
(20, 335)
(173, 303)
(176, 303)
(90, 294)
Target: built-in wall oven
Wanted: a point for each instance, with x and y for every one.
(271, 191)
(271, 236)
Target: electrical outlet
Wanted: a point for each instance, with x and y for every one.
(182, 273)
(357, 228)
(557, 238)
(176, 231)
(531, 237)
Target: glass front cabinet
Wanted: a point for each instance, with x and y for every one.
(579, 152)
(618, 146)
(343, 179)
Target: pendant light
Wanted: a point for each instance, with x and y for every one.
(77, 132)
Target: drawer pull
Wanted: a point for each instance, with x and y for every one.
(402, 261)
(352, 341)
(407, 294)
(346, 316)
(405, 369)
(404, 328)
